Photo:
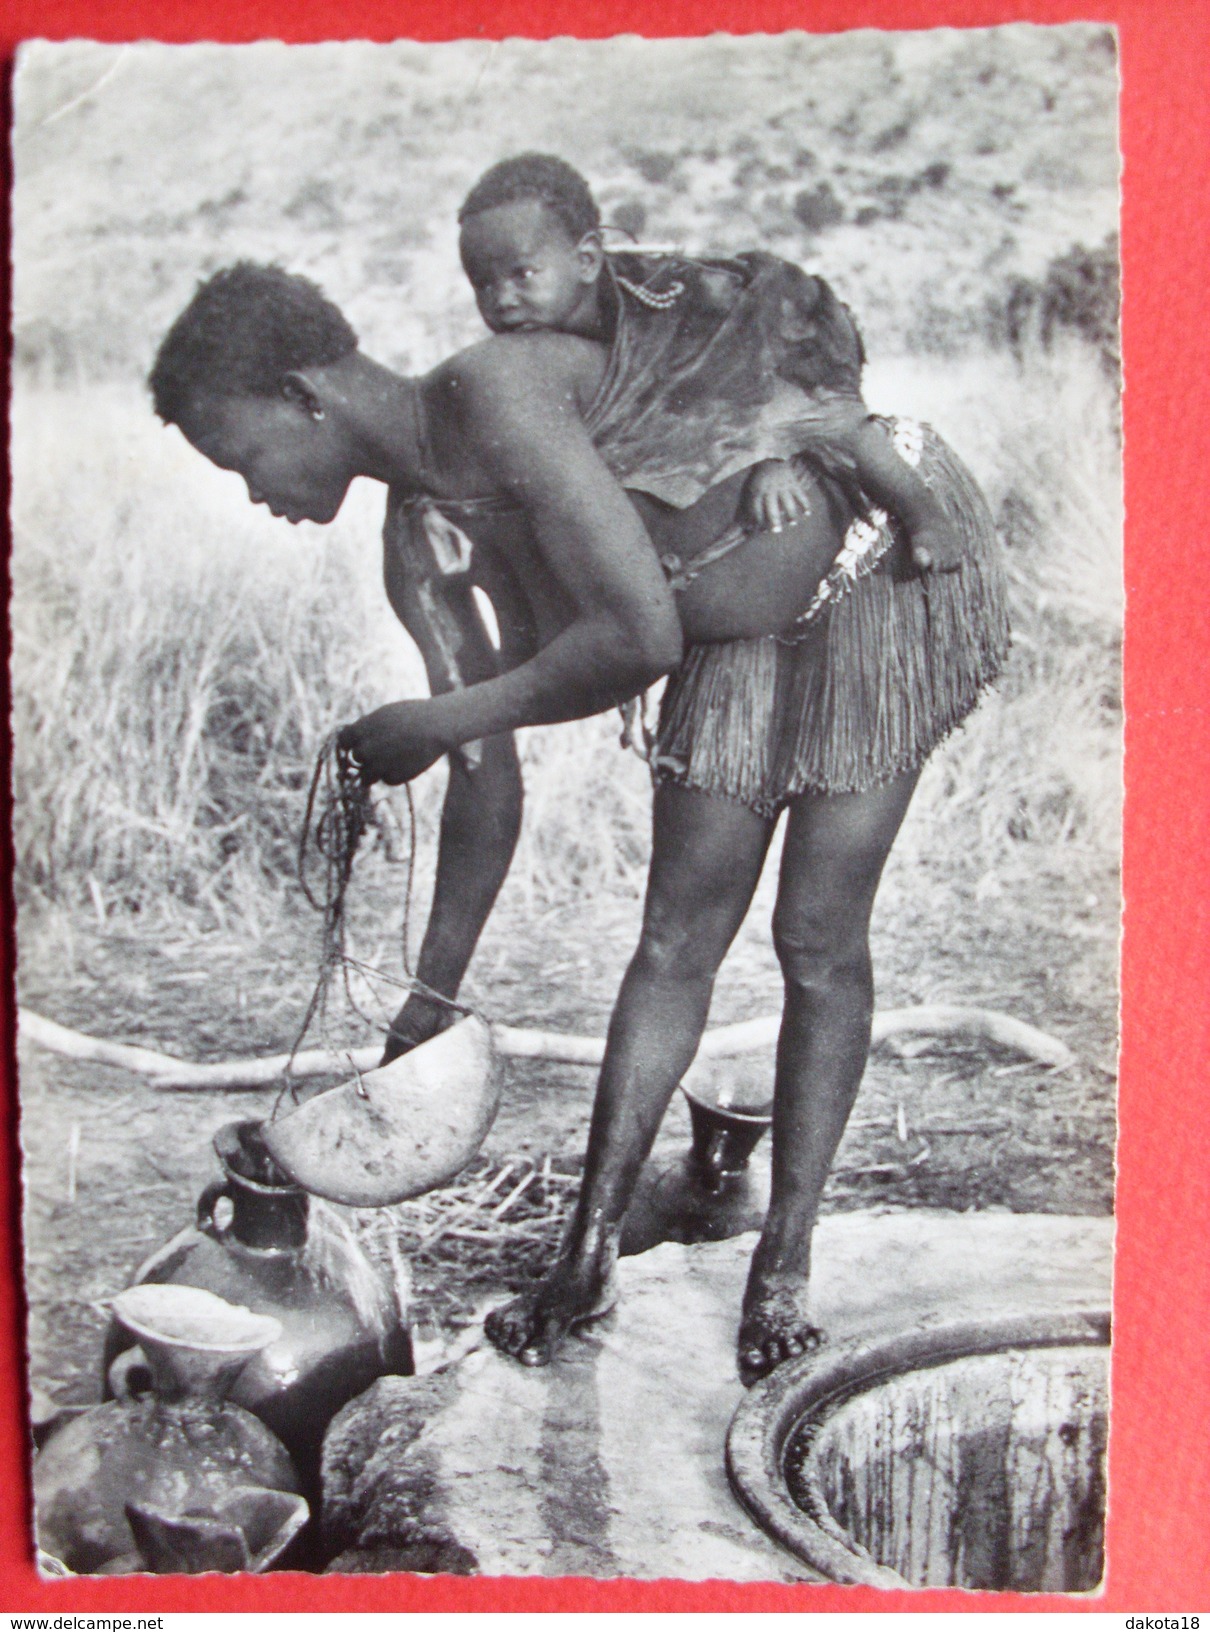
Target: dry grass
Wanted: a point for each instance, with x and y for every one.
(179, 657)
(1041, 761)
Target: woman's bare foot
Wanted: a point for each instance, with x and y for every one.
(579, 1288)
(775, 1327)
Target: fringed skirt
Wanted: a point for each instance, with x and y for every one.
(893, 661)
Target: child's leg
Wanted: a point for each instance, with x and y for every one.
(833, 859)
(706, 860)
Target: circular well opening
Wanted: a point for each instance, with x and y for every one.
(984, 1472)
(964, 1457)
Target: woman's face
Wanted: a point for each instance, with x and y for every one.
(292, 461)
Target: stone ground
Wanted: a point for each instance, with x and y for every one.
(610, 1461)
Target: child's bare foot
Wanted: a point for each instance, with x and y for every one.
(579, 1288)
(774, 1328)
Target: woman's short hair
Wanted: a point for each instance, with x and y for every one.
(245, 329)
(541, 176)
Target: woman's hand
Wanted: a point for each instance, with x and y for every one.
(394, 744)
(773, 497)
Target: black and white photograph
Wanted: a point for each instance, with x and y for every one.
(566, 700)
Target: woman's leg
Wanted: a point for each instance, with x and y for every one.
(834, 854)
(706, 859)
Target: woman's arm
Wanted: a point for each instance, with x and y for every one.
(518, 414)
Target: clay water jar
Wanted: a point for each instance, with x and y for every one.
(970, 1455)
(709, 1193)
(724, 1136)
(180, 1459)
(257, 1242)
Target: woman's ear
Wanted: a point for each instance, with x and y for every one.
(300, 389)
(591, 254)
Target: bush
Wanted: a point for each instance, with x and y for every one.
(1080, 294)
(818, 208)
(1039, 764)
(177, 660)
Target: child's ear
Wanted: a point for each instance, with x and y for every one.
(300, 389)
(591, 254)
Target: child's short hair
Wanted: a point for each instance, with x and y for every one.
(536, 175)
(244, 329)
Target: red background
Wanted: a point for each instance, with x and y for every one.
(1159, 1518)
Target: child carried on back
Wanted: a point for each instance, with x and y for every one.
(531, 246)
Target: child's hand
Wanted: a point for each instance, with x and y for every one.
(773, 497)
(937, 547)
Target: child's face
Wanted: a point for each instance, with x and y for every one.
(290, 461)
(526, 271)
